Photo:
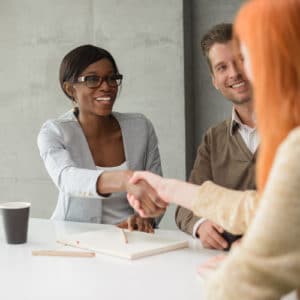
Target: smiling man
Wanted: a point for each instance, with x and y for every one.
(227, 154)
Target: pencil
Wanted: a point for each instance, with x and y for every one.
(124, 236)
(62, 253)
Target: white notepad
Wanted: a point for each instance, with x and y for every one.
(110, 241)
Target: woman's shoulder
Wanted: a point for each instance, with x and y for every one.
(290, 148)
(292, 140)
(64, 118)
(64, 122)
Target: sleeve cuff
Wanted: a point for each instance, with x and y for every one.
(81, 182)
(196, 226)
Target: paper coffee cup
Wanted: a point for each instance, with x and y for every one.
(15, 220)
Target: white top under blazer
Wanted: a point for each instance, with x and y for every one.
(69, 162)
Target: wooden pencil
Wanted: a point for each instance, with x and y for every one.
(62, 253)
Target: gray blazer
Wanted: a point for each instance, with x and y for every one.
(68, 160)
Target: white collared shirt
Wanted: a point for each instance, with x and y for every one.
(248, 134)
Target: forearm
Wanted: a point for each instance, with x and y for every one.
(233, 210)
(113, 181)
(185, 219)
(76, 182)
(178, 192)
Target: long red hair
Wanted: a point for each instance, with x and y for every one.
(270, 30)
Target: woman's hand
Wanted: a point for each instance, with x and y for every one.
(119, 181)
(165, 191)
(147, 181)
(135, 222)
(145, 200)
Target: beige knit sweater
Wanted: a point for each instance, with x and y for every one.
(267, 264)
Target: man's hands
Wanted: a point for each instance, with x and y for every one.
(135, 222)
(210, 235)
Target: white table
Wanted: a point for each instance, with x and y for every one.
(166, 276)
(170, 275)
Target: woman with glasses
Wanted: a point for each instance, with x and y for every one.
(91, 152)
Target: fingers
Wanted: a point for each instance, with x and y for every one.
(212, 263)
(147, 196)
(135, 222)
(123, 225)
(219, 228)
(156, 182)
(136, 205)
(218, 240)
(139, 223)
(215, 241)
(210, 236)
(151, 178)
(143, 199)
(215, 235)
(131, 223)
(149, 227)
(158, 201)
(151, 194)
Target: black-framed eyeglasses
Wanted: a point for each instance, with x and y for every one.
(94, 81)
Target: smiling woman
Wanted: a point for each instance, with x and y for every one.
(90, 152)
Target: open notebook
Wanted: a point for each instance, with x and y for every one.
(110, 241)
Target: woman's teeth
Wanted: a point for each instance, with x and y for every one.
(103, 99)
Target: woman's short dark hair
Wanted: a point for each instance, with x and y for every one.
(78, 59)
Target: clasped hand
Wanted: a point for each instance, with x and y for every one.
(135, 222)
(144, 199)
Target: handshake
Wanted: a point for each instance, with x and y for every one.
(150, 194)
(144, 194)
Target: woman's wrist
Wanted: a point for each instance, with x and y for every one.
(125, 179)
(114, 181)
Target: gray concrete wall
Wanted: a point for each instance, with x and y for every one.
(146, 39)
(208, 107)
(150, 40)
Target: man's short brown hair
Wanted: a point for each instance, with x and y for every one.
(220, 33)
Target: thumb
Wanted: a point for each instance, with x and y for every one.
(135, 177)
